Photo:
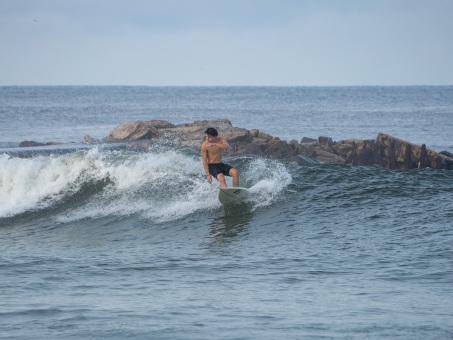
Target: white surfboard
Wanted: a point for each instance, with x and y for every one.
(232, 195)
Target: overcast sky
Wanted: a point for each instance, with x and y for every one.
(226, 42)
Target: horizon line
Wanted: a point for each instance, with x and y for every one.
(142, 85)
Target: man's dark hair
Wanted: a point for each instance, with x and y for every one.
(211, 132)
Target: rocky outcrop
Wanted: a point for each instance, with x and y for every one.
(391, 153)
(394, 153)
(385, 151)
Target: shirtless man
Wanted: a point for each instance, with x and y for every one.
(211, 156)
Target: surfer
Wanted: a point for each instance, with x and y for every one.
(211, 156)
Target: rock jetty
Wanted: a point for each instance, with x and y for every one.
(385, 151)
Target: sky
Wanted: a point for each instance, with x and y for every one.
(226, 42)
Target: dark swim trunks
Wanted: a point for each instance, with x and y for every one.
(219, 168)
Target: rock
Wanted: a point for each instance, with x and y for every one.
(446, 153)
(438, 161)
(422, 159)
(394, 153)
(255, 148)
(325, 143)
(30, 143)
(279, 149)
(328, 157)
(161, 124)
(293, 143)
(132, 131)
(306, 150)
(255, 133)
(344, 148)
(237, 135)
(306, 140)
(263, 137)
(246, 149)
(90, 140)
(356, 152)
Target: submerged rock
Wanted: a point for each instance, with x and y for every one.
(30, 143)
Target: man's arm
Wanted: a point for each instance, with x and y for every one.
(222, 144)
(204, 160)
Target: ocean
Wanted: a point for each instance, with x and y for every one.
(104, 242)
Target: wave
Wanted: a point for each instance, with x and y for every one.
(162, 185)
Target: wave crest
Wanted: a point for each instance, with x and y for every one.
(161, 185)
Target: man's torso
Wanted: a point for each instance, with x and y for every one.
(214, 153)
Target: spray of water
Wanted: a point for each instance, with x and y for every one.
(160, 185)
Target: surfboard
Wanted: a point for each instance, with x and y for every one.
(232, 195)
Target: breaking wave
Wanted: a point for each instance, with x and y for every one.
(160, 185)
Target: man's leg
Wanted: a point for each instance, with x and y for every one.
(221, 179)
(235, 174)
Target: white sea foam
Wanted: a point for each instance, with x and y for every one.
(155, 185)
(269, 178)
(35, 183)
